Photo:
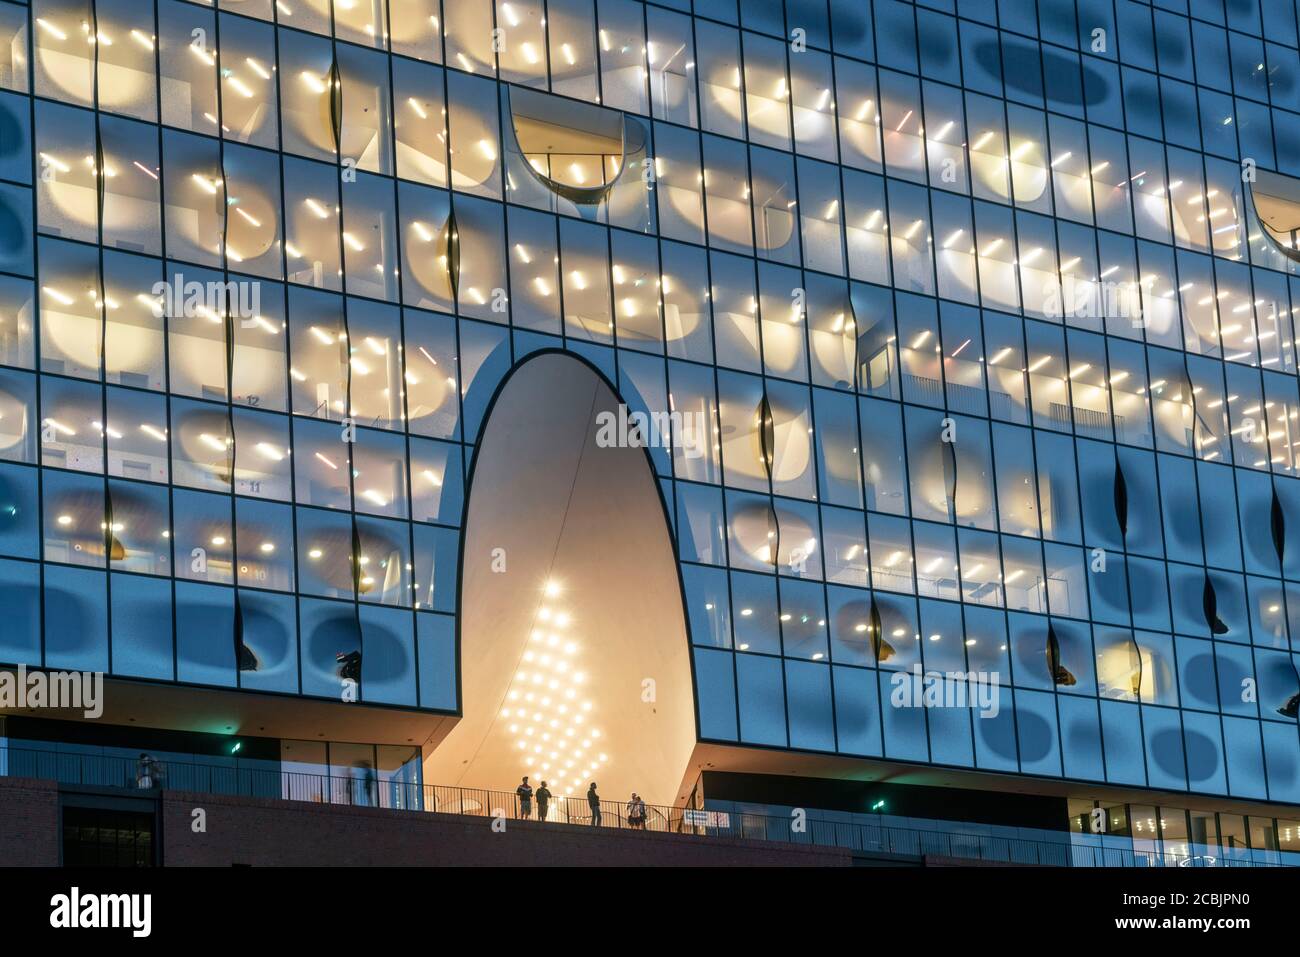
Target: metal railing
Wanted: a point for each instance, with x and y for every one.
(368, 788)
(122, 771)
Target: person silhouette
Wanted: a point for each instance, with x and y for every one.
(525, 792)
(543, 799)
(636, 812)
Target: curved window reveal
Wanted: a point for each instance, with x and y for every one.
(576, 150)
(1277, 204)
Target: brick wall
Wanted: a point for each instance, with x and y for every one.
(29, 823)
(265, 832)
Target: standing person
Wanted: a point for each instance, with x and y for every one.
(593, 801)
(636, 812)
(364, 785)
(543, 799)
(144, 772)
(525, 792)
(370, 781)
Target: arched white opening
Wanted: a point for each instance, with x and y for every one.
(574, 653)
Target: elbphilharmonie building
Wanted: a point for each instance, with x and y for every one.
(744, 404)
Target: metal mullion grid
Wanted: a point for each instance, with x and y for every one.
(595, 38)
(609, 243)
(902, 416)
(167, 394)
(874, 670)
(670, 506)
(291, 418)
(959, 17)
(166, 338)
(36, 329)
(504, 179)
(280, 156)
(1000, 534)
(1279, 582)
(613, 301)
(440, 43)
(1066, 326)
(101, 306)
(715, 430)
(1047, 111)
(1033, 446)
(1272, 114)
(1245, 261)
(1195, 459)
(812, 404)
(1128, 585)
(440, 40)
(39, 376)
(412, 591)
(807, 384)
(847, 56)
(347, 420)
(495, 62)
(1204, 564)
(496, 79)
(553, 214)
(546, 49)
(1087, 546)
(463, 447)
(1290, 345)
(1155, 458)
(1194, 455)
(228, 330)
(933, 252)
(911, 564)
(559, 276)
(762, 380)
(988, 421)
(1031, 428)
(1192, 400)
(505, 226)
(198, 133)
(166, 348)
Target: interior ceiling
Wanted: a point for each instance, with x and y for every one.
(552, 124)
(548, 505)
(540, 136)
(1277, 200)
(226, 711)
(776, 761)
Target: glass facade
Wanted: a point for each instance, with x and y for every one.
(325, 772)
(989, 331)
(1135, 835)
(1187, 838)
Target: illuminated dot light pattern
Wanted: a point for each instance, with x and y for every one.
(548, 707)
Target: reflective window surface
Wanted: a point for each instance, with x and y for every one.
(979, 324)
(1099, 835)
